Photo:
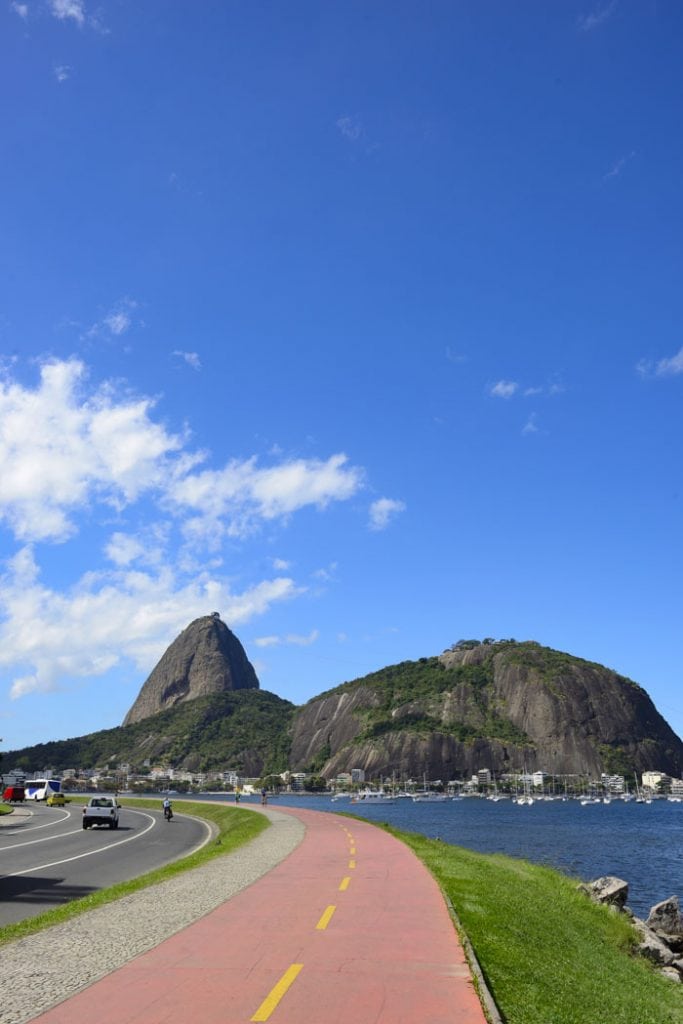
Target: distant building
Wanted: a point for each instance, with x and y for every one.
(296, 781)
(656, 780)
(613, 783)
(483, 777)
(357, 775)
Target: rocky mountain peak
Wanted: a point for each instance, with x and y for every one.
(206, 658)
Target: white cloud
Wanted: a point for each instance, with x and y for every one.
(267, 641)
(350, 127)
(531, 426)
(618, 166)
(62, 72)
(290, 639)
(325, 574)
(117, 321)
(597, 17)
(72, 454)
(60, 451)
(54, 639)
(383, 511)
(504, 389)
(20, 9)
(670, 367)
(68, 9)
(235, 498)
(191, 358)
(122, 549)
(64, 452)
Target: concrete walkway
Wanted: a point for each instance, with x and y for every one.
(349, 927)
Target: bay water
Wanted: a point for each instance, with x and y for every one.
(641, 843)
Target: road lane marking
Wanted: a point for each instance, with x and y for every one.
(352, 864)
(45, 839)
(275, 995)
(90, 853)
(344, 884)
(22, 829)
(325, 919)
(352, 851)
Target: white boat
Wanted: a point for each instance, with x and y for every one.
(373, 796)
(429, 798)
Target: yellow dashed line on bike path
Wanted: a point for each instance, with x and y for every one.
(325, 919)
(289, 977)
(275, 995)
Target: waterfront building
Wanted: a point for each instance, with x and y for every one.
(656, 781)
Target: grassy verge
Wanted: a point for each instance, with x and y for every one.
(6, 809)
(548, 954)
(235, 827)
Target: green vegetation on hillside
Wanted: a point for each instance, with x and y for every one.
(549, 955)
(421, 682)
(221, 731)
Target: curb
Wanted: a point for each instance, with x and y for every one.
(488, 1002)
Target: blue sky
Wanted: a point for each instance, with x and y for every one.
(357, 323)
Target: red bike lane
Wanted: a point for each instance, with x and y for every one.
(351, 927)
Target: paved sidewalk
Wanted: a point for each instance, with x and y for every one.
(349, 927)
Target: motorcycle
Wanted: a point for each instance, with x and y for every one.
(168, 812)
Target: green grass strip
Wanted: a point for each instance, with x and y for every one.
(235, 826)
(548, 954)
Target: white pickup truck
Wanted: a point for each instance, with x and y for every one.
(101, 810)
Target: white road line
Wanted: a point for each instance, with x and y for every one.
(31, 828)
(90, 853)
(34, 828)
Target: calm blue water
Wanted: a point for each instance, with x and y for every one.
(641, 843)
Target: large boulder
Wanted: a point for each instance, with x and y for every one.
(608, 889)
(665, 917)
(651, 946)
(206, 658)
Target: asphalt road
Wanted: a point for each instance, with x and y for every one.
(47, 858)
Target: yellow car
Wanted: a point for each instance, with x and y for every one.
(56, 800)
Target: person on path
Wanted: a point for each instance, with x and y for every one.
(264, 796)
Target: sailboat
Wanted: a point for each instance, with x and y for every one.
(526, 798)
(426, 795)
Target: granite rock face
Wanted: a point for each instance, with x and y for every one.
(506, 706)
(206, 658)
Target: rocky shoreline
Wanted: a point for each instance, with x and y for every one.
(660, 935)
